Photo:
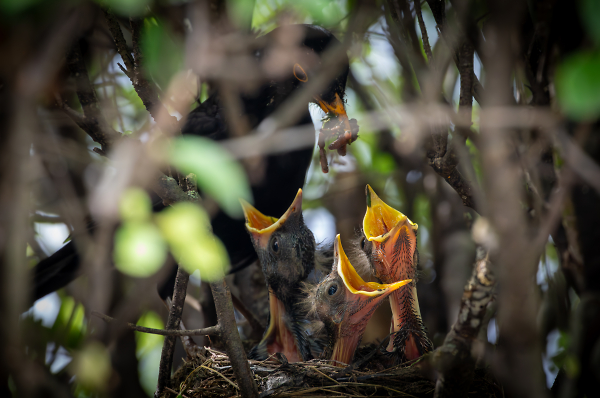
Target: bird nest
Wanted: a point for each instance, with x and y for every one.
(211, 376)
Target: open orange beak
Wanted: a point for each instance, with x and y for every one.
(261, 226)
(381, 219)
(361, 300)
(354, 283)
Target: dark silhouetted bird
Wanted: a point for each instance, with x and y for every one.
(287, 253)
(390, 243)
(282, 173)
(345, 302)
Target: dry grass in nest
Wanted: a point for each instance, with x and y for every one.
(211, 376)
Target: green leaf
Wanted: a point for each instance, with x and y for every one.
(241, 12)
(145, 341)
(126, 7)
(135, 205)
(219, 175)
(70, 323)
(140, 250)
(187, 229)
(590, 15)
(92, 367)
(163, 52)
(578, 85)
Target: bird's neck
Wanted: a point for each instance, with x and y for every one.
(345, 345)
(408, 324)
(279, 337)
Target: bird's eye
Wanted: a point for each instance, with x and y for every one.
(332, 290)
(362, 243)
(275, 245)
(300, 74)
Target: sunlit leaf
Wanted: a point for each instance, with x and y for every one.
(146, 341)
(92, 366)
(578, 85)
(70, 322)
(140, 250)
(126, 7)
(148, 350)
(219, 175)
(186, 228)
(135, 205)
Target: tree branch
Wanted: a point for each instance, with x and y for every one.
(133, 65)
(423, 29)
(166, 357)
(453, 360)
(209, 331)
(232, 341)
(92, 121)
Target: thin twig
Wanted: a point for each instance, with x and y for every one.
(209, 331)
(424, 35)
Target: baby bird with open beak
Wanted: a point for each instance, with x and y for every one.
(390, 243)
(286, 250)
(345, 302)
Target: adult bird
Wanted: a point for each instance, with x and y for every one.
(390, 243)
(291, 56)
(345, 303)
(287, 253)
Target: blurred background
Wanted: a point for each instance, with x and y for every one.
(508, 161)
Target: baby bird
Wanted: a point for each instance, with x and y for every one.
(286, 250)
(345, 302)
(390, 243)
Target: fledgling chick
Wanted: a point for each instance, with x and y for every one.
(286, 250)
(345, 302)
(390, 243)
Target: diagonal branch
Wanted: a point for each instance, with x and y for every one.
(92, 121)
(453, 359)
(423, 29)
(134, 64)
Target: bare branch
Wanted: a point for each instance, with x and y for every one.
(134, 65)
(232, 341)
(92, 121)
(453, 360)
(209, 331)
(166, 356)
(424, 35)
(120, 43)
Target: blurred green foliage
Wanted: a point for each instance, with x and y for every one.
(163, 51)
(186, 227)
(148, 350)
(578, 85)
(218, 174)
(577, 79)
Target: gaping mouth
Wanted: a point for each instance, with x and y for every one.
(262, 226)
(362, 299)
(381, 219)
(353, 281)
